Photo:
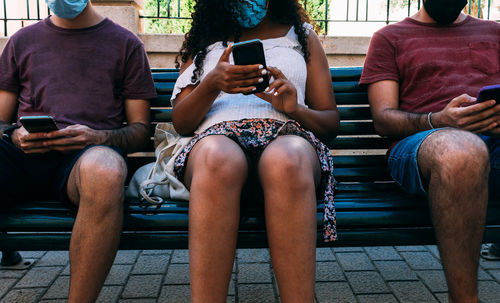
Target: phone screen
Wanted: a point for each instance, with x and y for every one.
(491, 92)
(249, 53)
(37, 124)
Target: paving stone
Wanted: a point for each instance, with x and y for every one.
(137, 301)
(126, 256)
(109, 294)
(488, 264)
(66, 271)
(230, 299)
(383, 253)
(338, 292)
(411, 291)
(329, 271)
(434, 279)
(151, 264)
(354, 261)
(32, 254)
(52, 258)
(366, 282)
(175, 294)
(54, 301)
(254, 273)
(482, 275)
(489, 291)
(253, 255)
(433, 249)
(39, 277)
(156, 252)
(59, 289)
(496, 274)
(26, 295)
(4, 273)
(395, 270)
(324, 254)
(421, 260)
(118, 274)
(411, 248)
(177, 274)
(256, 293)
(347, 249)
(180, 256)
(377, 299)
(142, 286)
(442, 297)
(232, 286)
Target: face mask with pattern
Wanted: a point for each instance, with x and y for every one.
(249, 13)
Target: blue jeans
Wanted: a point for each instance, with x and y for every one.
(404, 168)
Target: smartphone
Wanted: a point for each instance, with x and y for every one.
(37, 124)
(491, 92)
(248, 53)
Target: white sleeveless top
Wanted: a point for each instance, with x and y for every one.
(285, 53)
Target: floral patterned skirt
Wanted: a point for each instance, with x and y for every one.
(253, 135)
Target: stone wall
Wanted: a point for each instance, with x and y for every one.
(162, 49)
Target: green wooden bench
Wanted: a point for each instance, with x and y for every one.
(371, 210)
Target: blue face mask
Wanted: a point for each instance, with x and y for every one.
(249, 13)
(67, 9)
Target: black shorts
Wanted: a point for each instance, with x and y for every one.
(34, 176)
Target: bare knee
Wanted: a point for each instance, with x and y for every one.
(220, 158)
(291, 162)
(455, 155)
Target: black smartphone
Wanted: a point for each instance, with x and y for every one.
(248, 53)
(491, 92)
(38, 124)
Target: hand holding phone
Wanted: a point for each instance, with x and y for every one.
(38, 124)
(249, 53)
(491, 92)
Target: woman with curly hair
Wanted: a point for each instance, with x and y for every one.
(249, 145)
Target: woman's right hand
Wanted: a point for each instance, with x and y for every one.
(235, 79)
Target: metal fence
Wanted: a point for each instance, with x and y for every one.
(173, 16)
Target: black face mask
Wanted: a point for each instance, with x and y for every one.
(444, 11)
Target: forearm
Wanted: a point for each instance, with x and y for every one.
(130, 138)
(324, 124)
(397, 123)
(188, 112)
(4, 126)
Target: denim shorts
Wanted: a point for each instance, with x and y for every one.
(35, 176)
(403, 166)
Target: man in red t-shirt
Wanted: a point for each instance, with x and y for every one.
(91, 75)
(423, 74)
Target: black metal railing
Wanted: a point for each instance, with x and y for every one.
(173, 16)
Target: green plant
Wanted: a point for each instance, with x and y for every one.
(178, 10)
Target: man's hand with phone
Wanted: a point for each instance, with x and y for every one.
(464, 113)
(72, 138)
(235, 79)
(30, 143)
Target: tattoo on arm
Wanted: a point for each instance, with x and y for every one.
(130, 138)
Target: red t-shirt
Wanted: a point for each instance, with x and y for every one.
(433, 63)
(79, 76)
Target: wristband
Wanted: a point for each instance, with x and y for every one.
(429, 120)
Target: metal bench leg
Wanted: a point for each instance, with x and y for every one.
(11, 258)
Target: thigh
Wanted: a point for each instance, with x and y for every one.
(290, 152)
(108, 158)
(216, 153)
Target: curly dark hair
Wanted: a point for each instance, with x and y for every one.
(214, 21)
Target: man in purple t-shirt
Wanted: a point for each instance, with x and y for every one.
(422, 73)
(91, 76)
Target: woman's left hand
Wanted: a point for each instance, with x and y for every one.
(281, 93)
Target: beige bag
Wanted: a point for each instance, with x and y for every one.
(156, 181)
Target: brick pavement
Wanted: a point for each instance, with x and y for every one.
(355, 274)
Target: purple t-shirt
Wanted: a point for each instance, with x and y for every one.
(78, 76)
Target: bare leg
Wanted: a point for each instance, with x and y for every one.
(215, 173)
(456, 165)
(96, 185)
(289, 171)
